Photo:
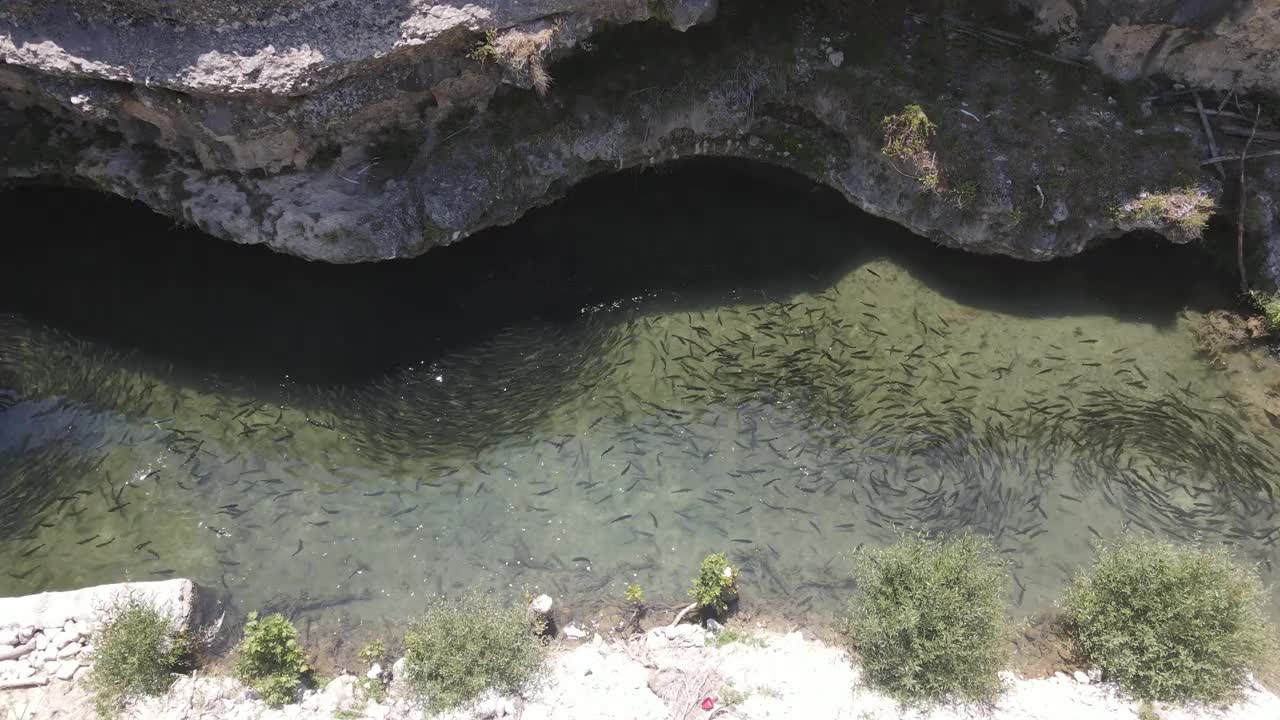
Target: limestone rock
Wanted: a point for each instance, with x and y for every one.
(69, 650)
(67, 670)
(326, 129)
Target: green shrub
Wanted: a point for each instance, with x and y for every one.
(635, 594)
(1269, 306)
(135, 653)
(271, 661)
(929, 620)
(457, 650)
(1170, 622)
(716, 584)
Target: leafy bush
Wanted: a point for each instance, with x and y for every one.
(135, 653)
(1170, 622)
(716, 584)
(271, 661)
(929, 621)
(460, 649)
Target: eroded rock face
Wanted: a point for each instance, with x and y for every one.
(350, 131)
(1208, 43)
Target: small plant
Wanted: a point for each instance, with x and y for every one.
(460, 649)
(929, 621)
(730, 695)
(1183, 213)
(373, 688)
(730, 635)
(135, 654)
(1146, 712)
(634, 595)
(1269, 306)
(271, 660)
(963, 194)
(716, 584)
(906, 139)
(1170, 622)
(373, 653)
(485, 50)
(907, 133)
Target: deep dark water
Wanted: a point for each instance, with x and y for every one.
(697, 230)
(707, 357)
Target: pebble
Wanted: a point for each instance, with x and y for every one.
(573, 632)
(1080, 677)
(9, 636)
(70, 650)
(375, 672)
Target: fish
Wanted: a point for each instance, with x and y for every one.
(295, 552)
(620, 518)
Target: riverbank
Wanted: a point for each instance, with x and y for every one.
(667, 672)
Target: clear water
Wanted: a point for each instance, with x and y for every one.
(659, 367)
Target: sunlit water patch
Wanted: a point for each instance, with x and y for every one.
(655, 369)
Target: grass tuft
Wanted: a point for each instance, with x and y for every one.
(1183, 213)
(1169, 622)
(460, 649)
(929, 620)
(271, 660)
(135, 654)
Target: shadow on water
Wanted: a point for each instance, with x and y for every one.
(696, 231)
(707, 357)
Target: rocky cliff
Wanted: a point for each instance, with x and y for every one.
(350, 131)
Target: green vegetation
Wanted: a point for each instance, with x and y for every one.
(373, 688)
(729, 635)
(457, 650)
(907, 133)
(716, 584)
(1146, 712)
(730, 695)
(271, 661)
(135, 654)
(635, 594)
(906, 139)
(485, 50)
(1184, 211)
(1269, 306)
(929, 622)
(1170, 622)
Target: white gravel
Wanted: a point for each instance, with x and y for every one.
(665, 675)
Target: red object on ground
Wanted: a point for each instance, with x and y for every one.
(708, 702)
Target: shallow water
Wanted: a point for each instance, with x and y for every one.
(659, 367)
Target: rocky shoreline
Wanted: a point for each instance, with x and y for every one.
(430, 122)
(683, 672)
